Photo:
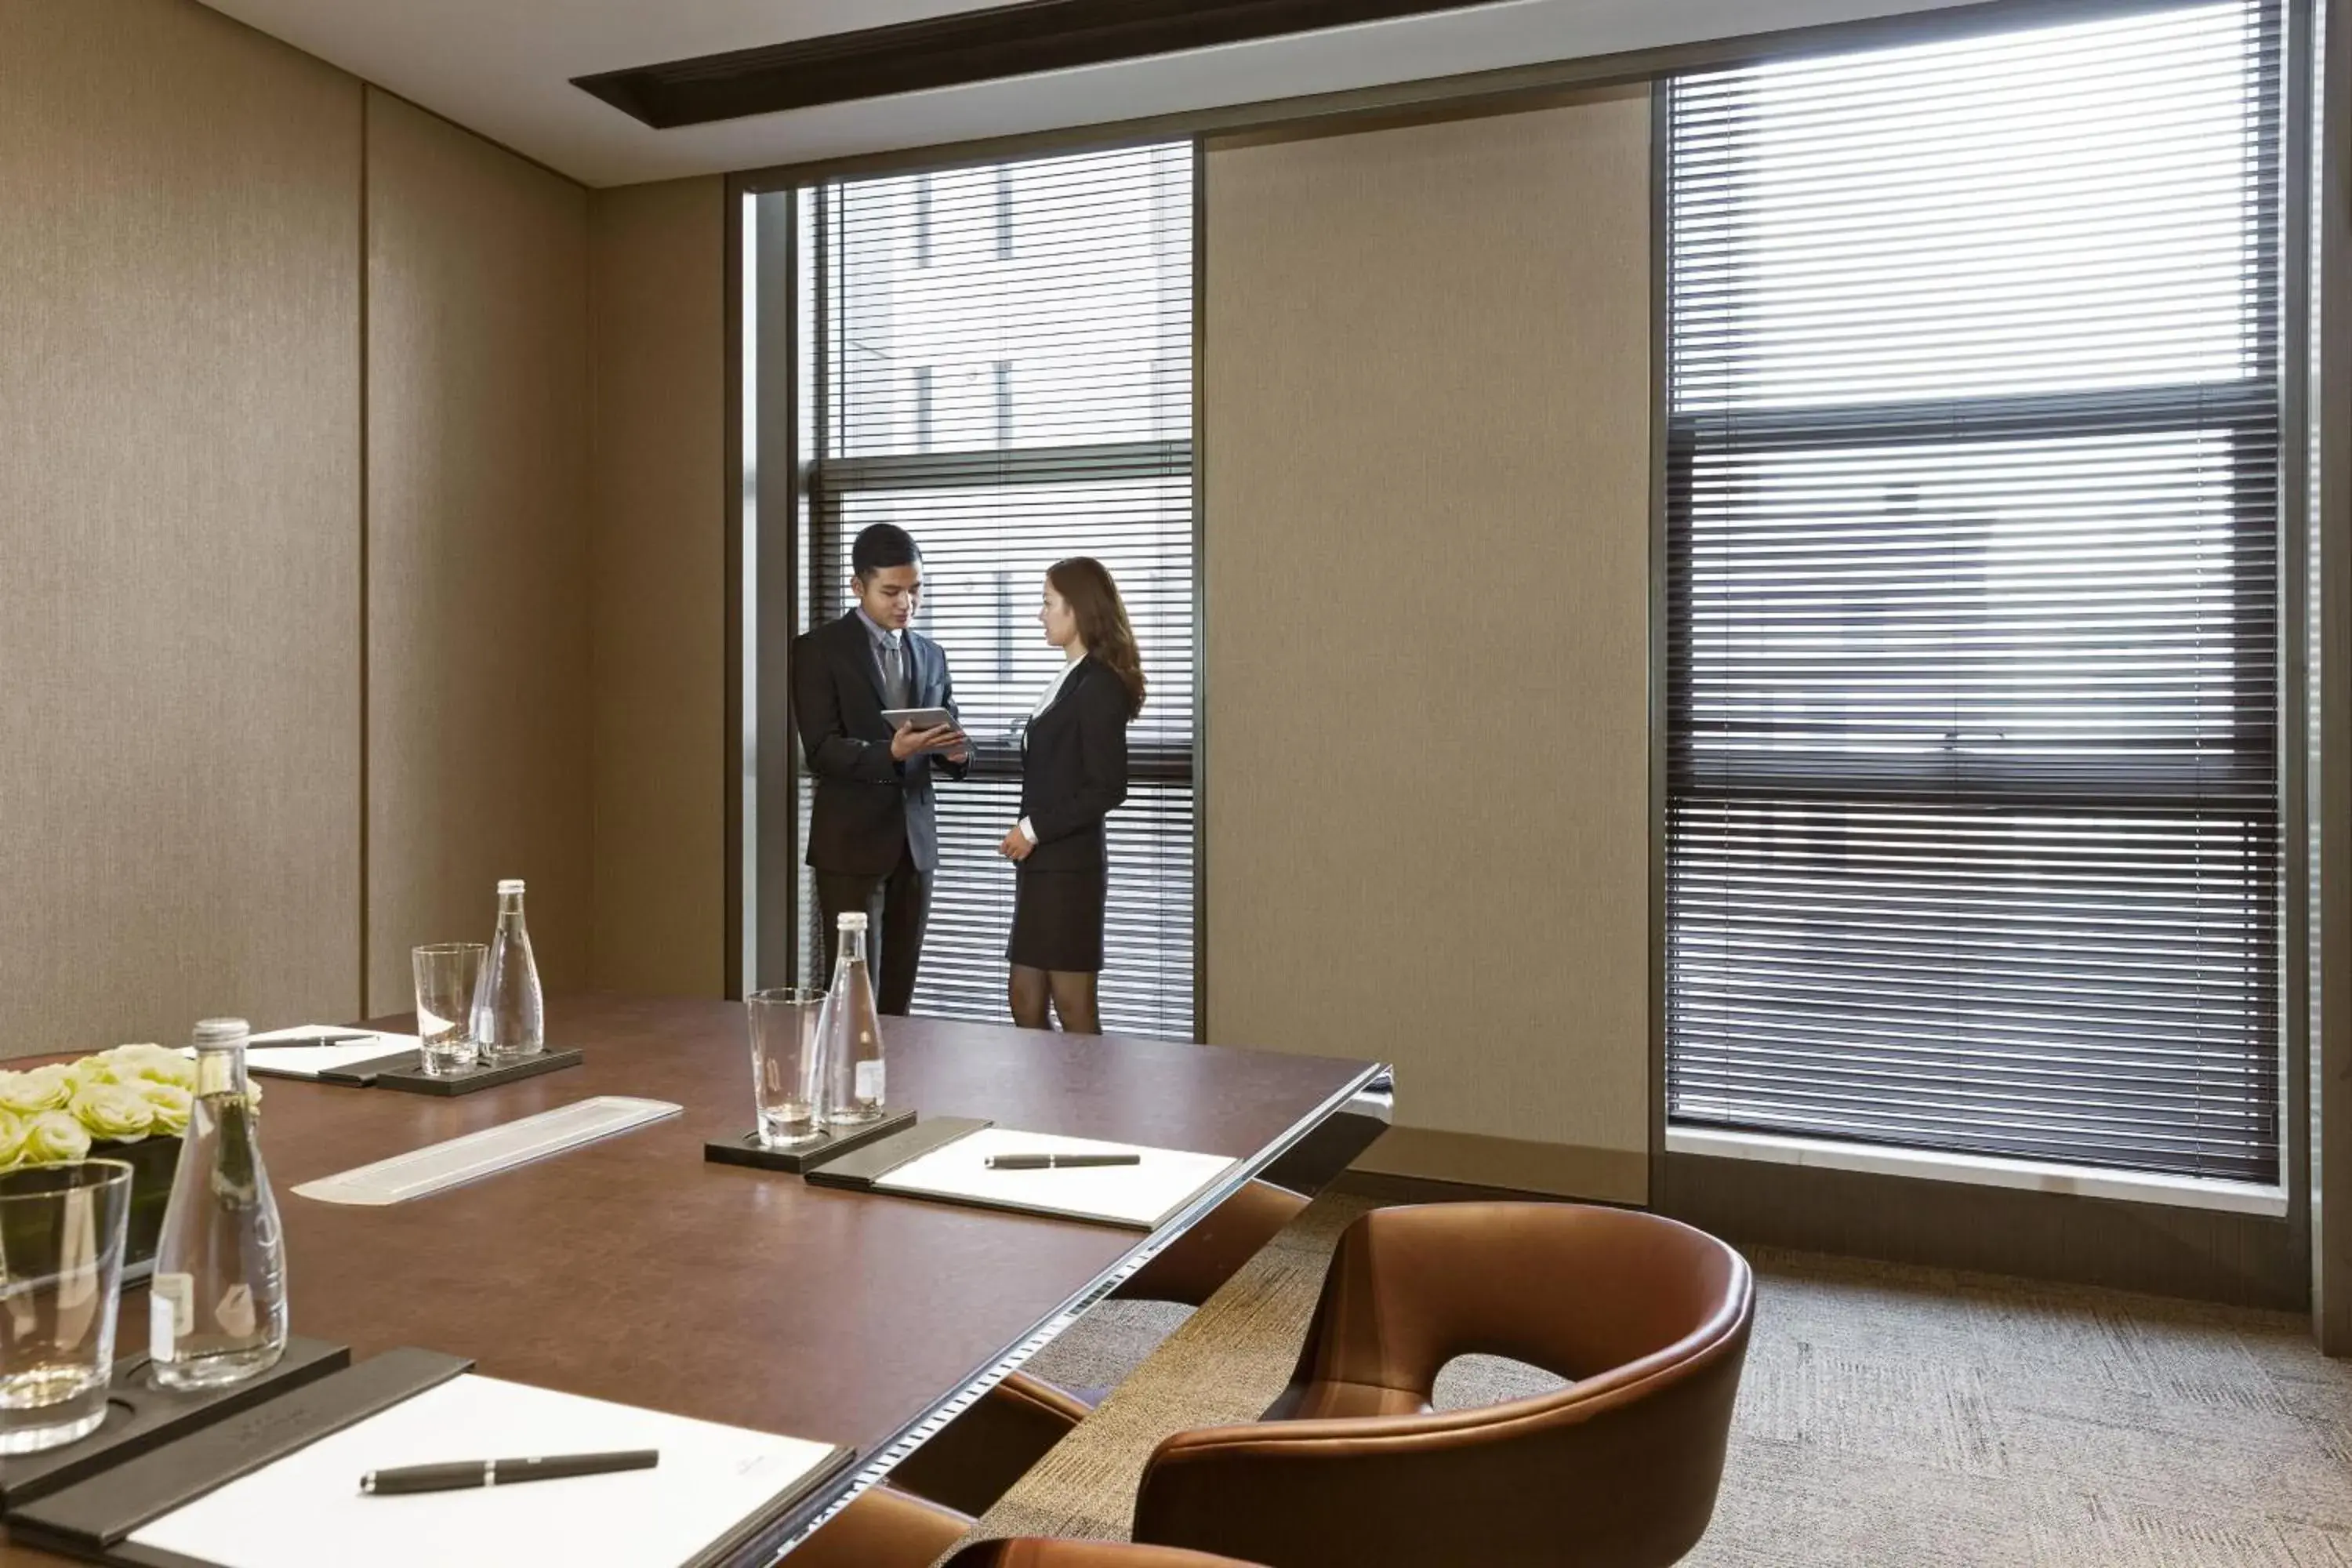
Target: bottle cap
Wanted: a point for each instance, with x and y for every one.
(854, 921)
(218, 1034)
(510, 885)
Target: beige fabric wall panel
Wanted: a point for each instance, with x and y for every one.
(659, 308)
(1427, 457)
(179, 525)
(478, 547)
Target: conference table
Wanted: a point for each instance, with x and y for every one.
(632, 1269)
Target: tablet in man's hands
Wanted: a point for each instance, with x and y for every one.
(920, 718)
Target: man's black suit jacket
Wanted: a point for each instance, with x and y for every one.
(868, 805)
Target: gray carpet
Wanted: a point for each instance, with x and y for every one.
(1888, 1416)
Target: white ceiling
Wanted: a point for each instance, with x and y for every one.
(504, 67)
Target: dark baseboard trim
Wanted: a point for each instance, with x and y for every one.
(2203, 1255)
(2245, 1261)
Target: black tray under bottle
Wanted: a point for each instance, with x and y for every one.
(748, 1150)
(405, 1071)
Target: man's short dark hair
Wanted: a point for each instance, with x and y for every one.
(880, 546)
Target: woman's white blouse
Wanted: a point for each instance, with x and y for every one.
(1054, 688)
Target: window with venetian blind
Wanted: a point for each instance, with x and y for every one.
(1973, 514)
(1002, 364)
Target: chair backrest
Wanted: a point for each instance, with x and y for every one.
(1579, 1291)
(1648, 1316)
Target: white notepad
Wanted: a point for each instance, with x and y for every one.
(309, 1061)
(1143, 1195)
(306, 1509)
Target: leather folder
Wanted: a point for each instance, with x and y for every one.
(859, 1168)
(96, 1516)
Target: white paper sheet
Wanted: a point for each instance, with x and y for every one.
(1143, 1195)
(309, 1061)
(306, 1509)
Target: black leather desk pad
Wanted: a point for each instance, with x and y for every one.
(99, 1513)
(97, 1516)
(141, 1417)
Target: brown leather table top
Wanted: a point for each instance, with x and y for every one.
(633, 1270)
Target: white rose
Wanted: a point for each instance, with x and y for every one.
(149, 1064)
(169, 1102)
(41, 1088)
(53, 1136)
(113, 1111)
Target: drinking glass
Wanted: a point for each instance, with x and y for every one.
(784, 1066)
(446, 973)
(61, 1234)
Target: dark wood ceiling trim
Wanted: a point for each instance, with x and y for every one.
(968, 47)
(1499, 91)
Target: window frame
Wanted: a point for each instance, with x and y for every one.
(2269, 398)
(821, 485)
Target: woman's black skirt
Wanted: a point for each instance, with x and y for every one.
(1057, 919)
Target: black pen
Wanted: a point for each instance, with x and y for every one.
(502, 1472)
(1058, 1162)
(306, 1040)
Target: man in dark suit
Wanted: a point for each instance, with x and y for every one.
(874, 840)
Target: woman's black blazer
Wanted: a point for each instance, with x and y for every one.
(1074, 769)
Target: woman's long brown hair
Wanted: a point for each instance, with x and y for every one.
(1087, 587)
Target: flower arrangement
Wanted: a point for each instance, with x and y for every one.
(121, 1096)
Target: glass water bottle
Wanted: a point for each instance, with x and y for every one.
(507, 1017)
(216, 1307)
(850, 1034)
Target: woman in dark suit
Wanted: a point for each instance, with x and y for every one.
(1073, 773)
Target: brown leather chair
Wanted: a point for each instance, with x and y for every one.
(976, 1458)
(1192, 1268)
(886, 1528)
(883, 1528)
(1031, 1553)
(1351, 1469)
